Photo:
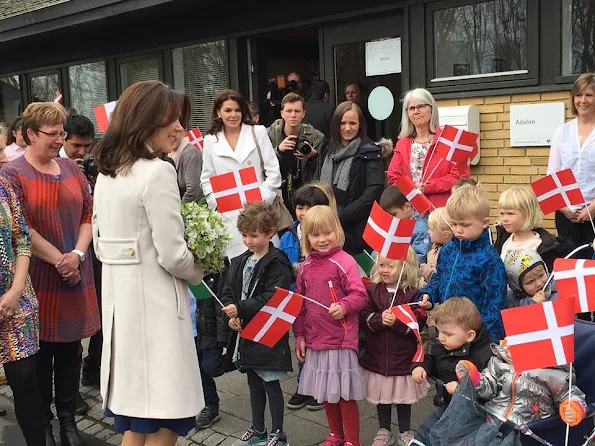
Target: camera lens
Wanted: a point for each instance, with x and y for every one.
(303, 147)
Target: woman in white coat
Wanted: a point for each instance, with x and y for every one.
(230, 145)
(150, 381)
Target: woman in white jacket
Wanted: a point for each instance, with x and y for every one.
(150, 381)
(232, 143)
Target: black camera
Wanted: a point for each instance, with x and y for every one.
(89, 167)
(302, 146)
(277, 94)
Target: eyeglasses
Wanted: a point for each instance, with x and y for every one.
(419, 108)
(62, 135)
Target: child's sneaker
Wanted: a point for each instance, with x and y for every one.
(277, 438)
(407, 436)
(252, 437)
(384, 437)
(333, 440)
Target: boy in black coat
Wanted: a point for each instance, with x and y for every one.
(461, 335)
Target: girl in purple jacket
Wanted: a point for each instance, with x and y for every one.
(327, 339)
(390, 347)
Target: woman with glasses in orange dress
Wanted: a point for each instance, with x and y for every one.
(57, 205)
(415, 155)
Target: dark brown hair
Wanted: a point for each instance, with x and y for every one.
(14, 127)
(392, 198)
(228, 95)
(143, 108)
(336, 123)
(290, 98)
(258, 217)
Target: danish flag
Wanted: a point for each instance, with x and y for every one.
(405, 314)
(540, 335)
(275, 319)
(557, 191)
(388, 235)
(413, 195)
(456, 145)
(575, 279)
(196, 138)
(58, 98)
(103, 114)
(233, 189)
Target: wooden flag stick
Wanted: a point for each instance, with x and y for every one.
(432, 172)
(591, 219)
(573, 252)
(569, 393)
(316, 302)
(398, 283)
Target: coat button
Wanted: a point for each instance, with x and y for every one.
(131, 252)
(249, 162)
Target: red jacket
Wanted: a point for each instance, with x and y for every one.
(388, 351)
(437, 189)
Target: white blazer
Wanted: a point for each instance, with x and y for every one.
(220, 158)
(149, 364)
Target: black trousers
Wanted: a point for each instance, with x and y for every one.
(210, 361)
(28, 406)
(259, 390)
(61, 358)
(92, 362)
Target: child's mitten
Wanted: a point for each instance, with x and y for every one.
(572, 412)
(465, 368)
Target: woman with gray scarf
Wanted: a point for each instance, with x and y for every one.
(353, 167)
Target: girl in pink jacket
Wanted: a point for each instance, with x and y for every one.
(327, 340)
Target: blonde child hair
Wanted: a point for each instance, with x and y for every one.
(522, 199)
(328, 191)
(438, 220)
(410, 277)
(468, 201)
(317, 219)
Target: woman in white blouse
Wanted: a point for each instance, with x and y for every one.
(573, 146)
(233, 143)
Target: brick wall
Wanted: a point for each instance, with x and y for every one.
(500, 165)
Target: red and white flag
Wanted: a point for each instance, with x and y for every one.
(540, 335)
(405, 314)
(575, 279)
(415, 196)
(233, 189)
(456, 145)
(557, 191)
(103, 114)
(388, 235)
(59, 97)
(275, 319)
(196, 138)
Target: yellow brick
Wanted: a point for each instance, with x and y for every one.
(493, 196)
(494, 108)
(506, 125)
(497, 170)
(497, 99)
(491, 161)
(538, 152)
(491, 179)
(518, 179)
(511, 152)
(491, 143)
(490, 187)
(542, 170)
(555, 95)
(496, 134)
(471, 101)
(448, 102)
(488, 152)
(506, 107)
(502, 187)
(524, 170)
(517, 161)
(504, 117)
(528, 97)
(491, 126)
(539, 161)
(487, 117)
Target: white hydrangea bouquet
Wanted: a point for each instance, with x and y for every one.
(206, 234)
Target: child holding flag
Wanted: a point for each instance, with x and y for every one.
(251, 281)
(327, 340)
(391, 346)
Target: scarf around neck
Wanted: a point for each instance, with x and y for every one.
(337, 165)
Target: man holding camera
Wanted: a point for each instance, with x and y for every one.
(297, 145)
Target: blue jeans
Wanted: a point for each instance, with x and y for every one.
(423, 433)
(210, 361)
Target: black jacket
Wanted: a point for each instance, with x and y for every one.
(551, 247)
(320, 115)
(366, 183)
(211, 324)
(440, 363)
(272, 271)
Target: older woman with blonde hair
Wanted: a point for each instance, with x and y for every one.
(415, 155)
(57, 205)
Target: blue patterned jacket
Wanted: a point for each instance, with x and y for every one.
(473, 269)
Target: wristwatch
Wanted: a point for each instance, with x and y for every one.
(81, 254)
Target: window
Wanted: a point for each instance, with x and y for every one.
(201, 71)
(140, 70)
(88, 88)
(482, 39)
(10, 98)
(578, 36)
(44, 87)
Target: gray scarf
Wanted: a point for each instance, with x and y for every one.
(337, 165)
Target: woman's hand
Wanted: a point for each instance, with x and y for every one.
(336, 311)
(68, 264)
(72, 279)
(287, 144)
(235, 324)
(388, 318)
(231, 311)
(583, 215)
(9, 303)
(572, 216)
(420, 186)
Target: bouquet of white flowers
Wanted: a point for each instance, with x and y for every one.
(206, 234)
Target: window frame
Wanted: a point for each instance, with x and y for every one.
(119, 61)
(487, 80)
(44, 72)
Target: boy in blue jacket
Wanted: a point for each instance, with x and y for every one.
(469, 265)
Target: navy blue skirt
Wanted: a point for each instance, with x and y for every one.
(123, 423)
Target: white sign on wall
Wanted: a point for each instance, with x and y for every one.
(383, 57)
(535, 124)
